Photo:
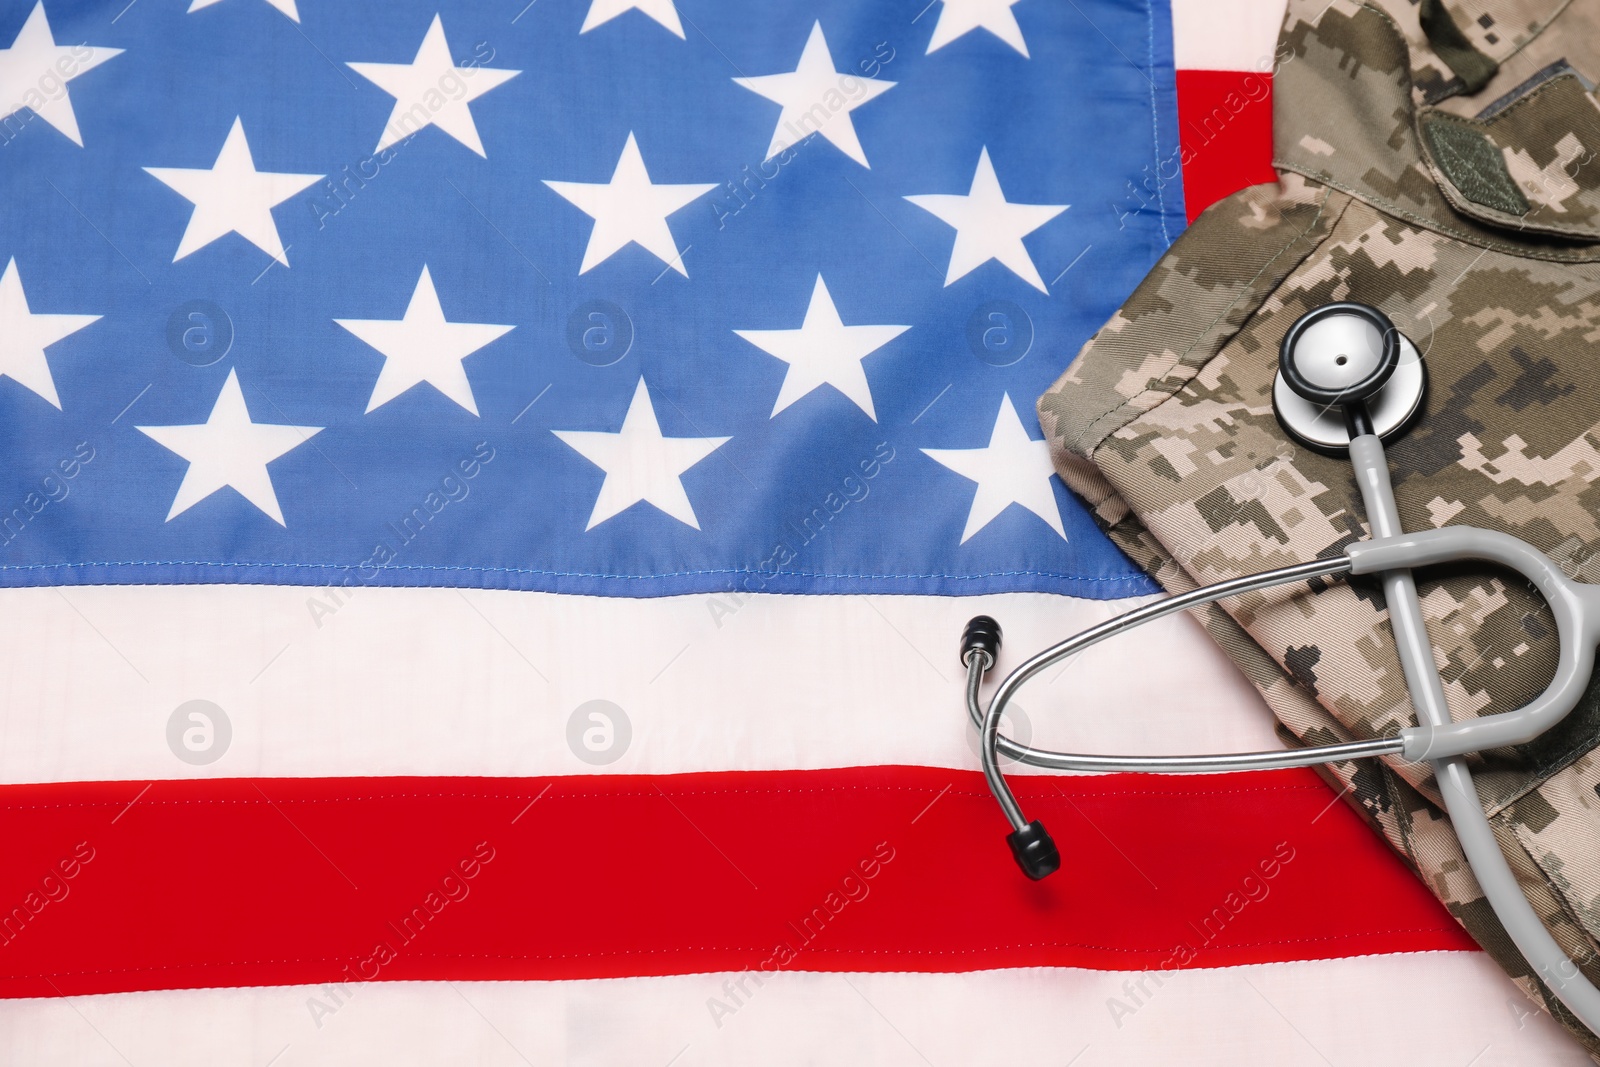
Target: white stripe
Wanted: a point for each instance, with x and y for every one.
(1440, 1008)
(446, 682)
(1226, 34)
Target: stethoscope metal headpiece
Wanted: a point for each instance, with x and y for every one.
(1340, 358)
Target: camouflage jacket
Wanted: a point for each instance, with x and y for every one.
(1437, 160)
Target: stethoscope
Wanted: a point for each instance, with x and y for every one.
(1347, 381)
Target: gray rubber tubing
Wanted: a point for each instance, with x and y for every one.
(1489, 865)
(1575, 606)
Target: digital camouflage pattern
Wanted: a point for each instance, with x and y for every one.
(1474, 223)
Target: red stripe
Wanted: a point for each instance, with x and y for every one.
(287, 881)
(1225, 133)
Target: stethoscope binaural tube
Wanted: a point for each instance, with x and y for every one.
(1352, 372)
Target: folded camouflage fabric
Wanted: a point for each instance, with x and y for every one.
(1438, 160)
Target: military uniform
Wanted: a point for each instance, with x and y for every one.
(1440, 160)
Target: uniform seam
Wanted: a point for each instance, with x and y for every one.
(1535, 778)
(1519, 833)
(1537, 32)
(1408, 848)
(1561, 899)
(1249, 287)
(1425, 222)
(1515, 104)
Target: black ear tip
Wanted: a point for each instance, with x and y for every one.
(981, 635)
(1034, 850)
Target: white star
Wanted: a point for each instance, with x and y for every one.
(630, 208)
(31, 74)
(24, 336)
(603, 11)
(640, 463)
(824, 351)
(286, 6)
(423, 347)
(419, 93)
(988, 226)
(229, 450)
(959, 17)
(233, 197)
(816, 99)
(1013, 469)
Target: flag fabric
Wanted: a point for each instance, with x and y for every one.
(492, 493)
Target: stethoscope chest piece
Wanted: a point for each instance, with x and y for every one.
(1335, 356)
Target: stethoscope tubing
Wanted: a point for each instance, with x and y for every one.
(1459, 793)
(988, 723)
(1220, 763)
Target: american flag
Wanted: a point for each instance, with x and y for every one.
(490, 493)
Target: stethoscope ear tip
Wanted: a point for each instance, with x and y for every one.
(1035, 851)
(981, 635)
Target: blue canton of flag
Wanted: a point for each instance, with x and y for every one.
(595, 296)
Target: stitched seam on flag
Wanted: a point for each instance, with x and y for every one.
(1233, 968)
(678, 949)
(1407, 848)
(1155, 115)
(734, 791)
(566, 574)
(1037, 967)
